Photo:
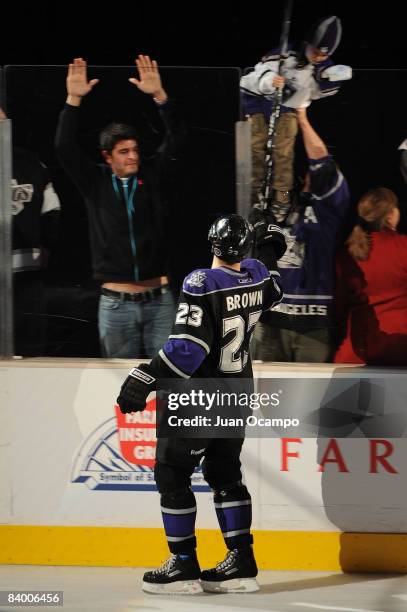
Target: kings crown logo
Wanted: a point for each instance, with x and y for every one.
(196, 279)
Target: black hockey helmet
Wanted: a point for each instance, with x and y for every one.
(231, 238)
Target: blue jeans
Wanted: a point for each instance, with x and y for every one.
(134, 330)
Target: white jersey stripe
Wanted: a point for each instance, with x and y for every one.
(171, 365)
(178, 511)
(245, 287)
(329, 193)
(196, 340)
(308, 297)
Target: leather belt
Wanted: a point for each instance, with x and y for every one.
(144, 296)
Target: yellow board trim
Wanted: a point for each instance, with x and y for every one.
(139, 547)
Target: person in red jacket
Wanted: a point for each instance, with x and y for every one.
(372, 285)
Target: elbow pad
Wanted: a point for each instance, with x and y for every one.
(338, 72)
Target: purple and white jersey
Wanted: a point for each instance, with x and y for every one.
(216, 316)
(308, 82)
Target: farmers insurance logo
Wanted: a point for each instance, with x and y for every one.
(120, 454)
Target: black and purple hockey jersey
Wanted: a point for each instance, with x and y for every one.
(216, 316)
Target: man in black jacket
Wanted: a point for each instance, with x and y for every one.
(126, 216)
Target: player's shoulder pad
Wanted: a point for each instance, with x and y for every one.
(256, 268)
(199, 282)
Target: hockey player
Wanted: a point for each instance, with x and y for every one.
(308, 74)
(209, 339)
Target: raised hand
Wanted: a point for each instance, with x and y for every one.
(149, 81)
(77, 83)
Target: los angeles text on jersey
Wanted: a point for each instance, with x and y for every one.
(302, 309)
(243, 300)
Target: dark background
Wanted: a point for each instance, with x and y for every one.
(193, 34)
(362, 125)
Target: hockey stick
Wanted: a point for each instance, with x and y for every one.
(265, 193)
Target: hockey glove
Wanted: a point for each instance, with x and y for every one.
(267, 233)
(135, 389)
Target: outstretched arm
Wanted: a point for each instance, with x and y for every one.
(149, 81)
(77, 84)
(327, 183)
(313, 143)
(73, 159)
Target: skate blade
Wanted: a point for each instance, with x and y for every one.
(180, 587)
(237, 585)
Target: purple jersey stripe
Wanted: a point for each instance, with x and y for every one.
(184, 354)
(179, 525)
(235, 518)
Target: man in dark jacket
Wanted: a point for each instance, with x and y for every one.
(126, 216)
